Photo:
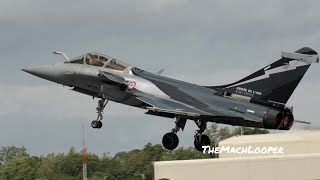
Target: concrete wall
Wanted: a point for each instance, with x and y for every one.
(301, 160)
(293, 167)
(293, 142)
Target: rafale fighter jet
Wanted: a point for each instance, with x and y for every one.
(258, 100)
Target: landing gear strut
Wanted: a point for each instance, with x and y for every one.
(201, 139)
(101, 105)
(170, 140)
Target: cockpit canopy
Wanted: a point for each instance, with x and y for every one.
(100, 60)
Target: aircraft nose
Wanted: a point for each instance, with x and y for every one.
(45, 72)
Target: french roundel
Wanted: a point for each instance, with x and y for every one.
(131, 85)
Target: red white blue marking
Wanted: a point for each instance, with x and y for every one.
(132, 85)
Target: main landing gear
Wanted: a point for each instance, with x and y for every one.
(201, 139)
(101, 105)
(170, 140)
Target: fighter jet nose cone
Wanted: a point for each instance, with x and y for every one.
(34, 70)
(28, 70)
(44, 72)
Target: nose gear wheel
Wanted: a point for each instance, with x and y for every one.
(101, 105)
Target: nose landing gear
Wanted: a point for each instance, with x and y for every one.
(101, 105)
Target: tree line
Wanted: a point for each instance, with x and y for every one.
(17, 164)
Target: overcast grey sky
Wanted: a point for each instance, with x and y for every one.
(205, 42)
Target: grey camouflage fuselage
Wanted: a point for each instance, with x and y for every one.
(258, 100)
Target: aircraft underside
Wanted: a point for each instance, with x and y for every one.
(170, 140)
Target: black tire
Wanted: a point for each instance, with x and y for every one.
(99, 124)
(95, 124)
(205, 141)
(170, 141)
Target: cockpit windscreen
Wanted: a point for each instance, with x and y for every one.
(100, 60)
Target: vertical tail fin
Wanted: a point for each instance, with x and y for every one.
(277, 81)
